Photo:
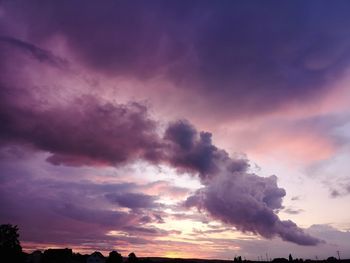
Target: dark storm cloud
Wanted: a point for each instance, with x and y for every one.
(93, 131)
(85, 132)
(250, 56)
(192, 150)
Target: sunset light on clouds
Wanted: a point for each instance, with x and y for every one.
(191, 129)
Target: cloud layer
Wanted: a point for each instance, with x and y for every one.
(229, 60)
(212, 49)
(90, 132)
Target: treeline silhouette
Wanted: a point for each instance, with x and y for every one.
(11, 252)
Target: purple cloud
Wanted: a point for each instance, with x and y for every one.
(111, 134)
(212, 48)
(133, 200)
(93, 132)
(89, 131)
(38, 53)
(248, 202)
(231, 194)
(193, 151)
(66, 212)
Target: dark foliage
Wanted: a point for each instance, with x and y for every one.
(331, 259)
(280, 260)
(57, 256)
(114, 257)
(10, 247)
(132, 258)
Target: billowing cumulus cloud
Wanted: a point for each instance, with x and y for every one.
(193, 151)
(231, 194)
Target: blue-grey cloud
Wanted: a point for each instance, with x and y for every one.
(133, 200)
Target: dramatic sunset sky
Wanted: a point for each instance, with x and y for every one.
(206, 129)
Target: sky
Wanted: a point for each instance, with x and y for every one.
(194, 129)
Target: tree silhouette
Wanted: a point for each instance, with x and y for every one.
(114, 257)
(331, 259)
(290, 258)
(132, 258)
(10, 247)
(238, 259)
